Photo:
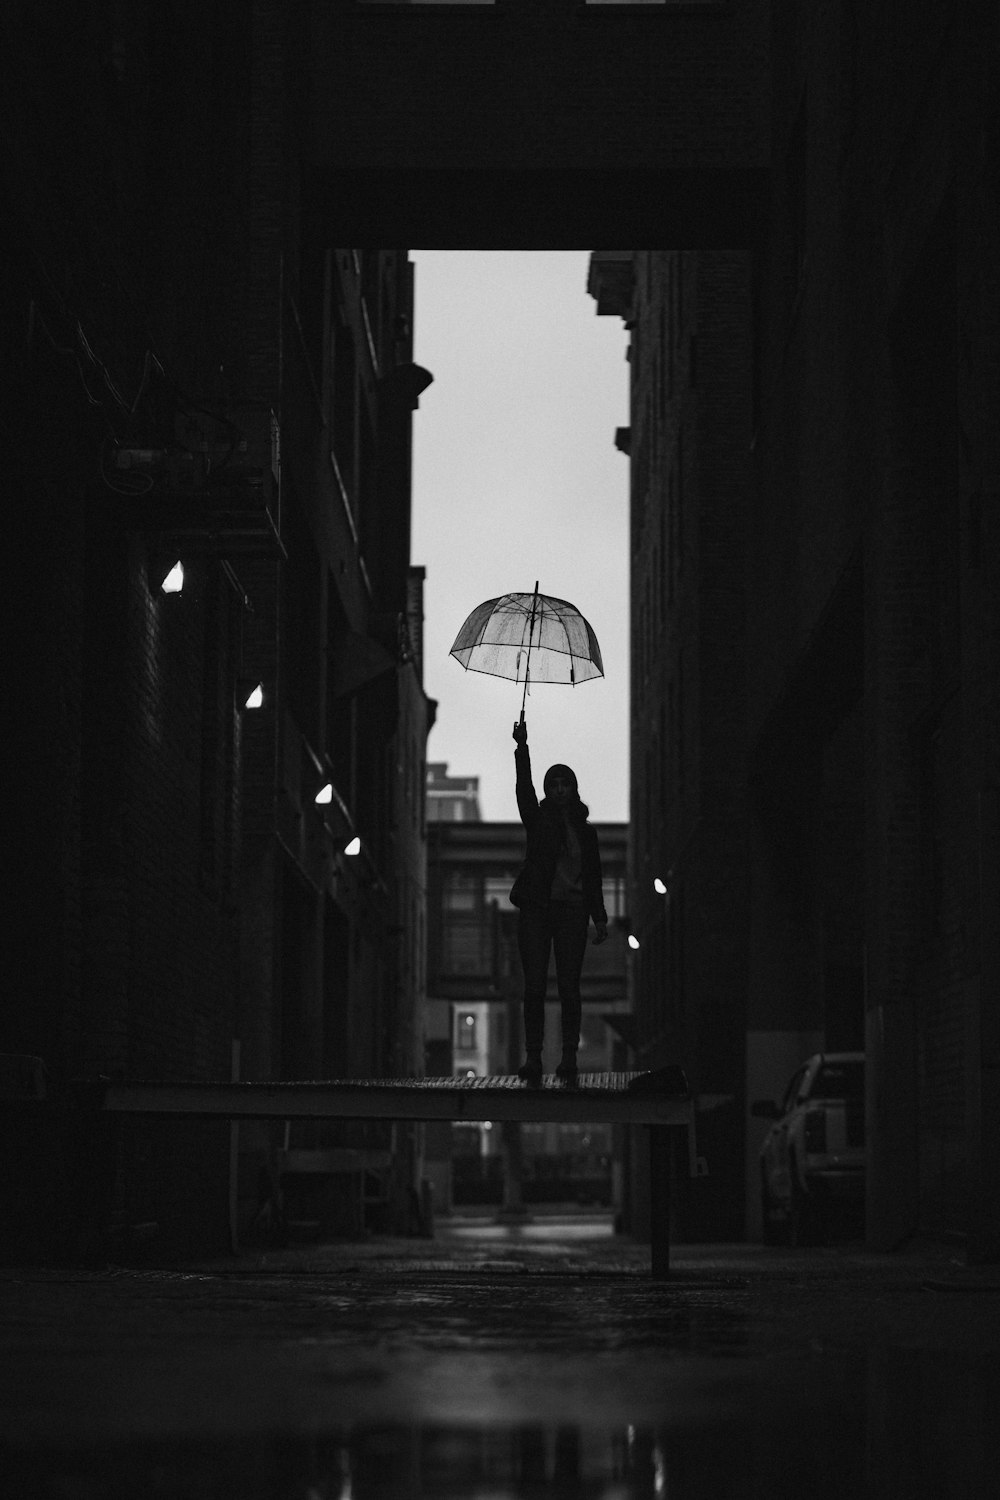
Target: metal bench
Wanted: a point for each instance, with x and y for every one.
(658, 1100)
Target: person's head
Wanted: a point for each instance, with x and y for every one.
(560, 786)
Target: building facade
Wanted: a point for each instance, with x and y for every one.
(687, 447)
(814, 614)
(474, 986)
(204, 380)
(451, 799)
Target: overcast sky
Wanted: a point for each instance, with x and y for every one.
(516, 478)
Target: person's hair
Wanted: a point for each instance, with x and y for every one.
(576, 807)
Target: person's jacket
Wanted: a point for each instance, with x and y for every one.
(543, 823)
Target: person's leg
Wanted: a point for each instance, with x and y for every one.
(534, 941)
(569, 941)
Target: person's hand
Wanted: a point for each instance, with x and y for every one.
(600, 932)
(520, 732)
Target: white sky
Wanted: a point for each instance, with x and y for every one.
(516, 478)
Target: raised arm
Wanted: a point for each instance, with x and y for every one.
(527, 802)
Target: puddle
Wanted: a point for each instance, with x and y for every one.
(910, 1423)
(390, 1462)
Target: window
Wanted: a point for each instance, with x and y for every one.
(459, 891)
(466, 948)
(792, 1091)
(614, 896)
(839, 1081)
(465, 1031)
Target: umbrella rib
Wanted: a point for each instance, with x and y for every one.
(570, 653)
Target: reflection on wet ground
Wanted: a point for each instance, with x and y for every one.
(902, 1424)
(913, 1429)
(536, 1230)
(389, 1371)
(391, 1462)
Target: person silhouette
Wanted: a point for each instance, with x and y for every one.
(557, 892)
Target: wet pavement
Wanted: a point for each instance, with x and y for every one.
(505, 1361)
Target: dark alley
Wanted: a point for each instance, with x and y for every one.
(396, 1104)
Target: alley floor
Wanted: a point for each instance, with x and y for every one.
(501, 1361)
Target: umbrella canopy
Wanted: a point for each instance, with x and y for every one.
(529, 638)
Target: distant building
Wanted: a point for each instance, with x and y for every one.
(474, 977)
(451, 799)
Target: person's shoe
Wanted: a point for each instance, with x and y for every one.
(530, 1071)
(567, 1074)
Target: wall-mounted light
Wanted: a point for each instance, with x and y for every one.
(172, 581)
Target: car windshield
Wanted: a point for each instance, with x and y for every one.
(839, 1080)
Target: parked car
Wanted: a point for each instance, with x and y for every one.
(812, 1162)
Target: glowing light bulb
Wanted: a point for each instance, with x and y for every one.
(174, 581)
(353, 848)
(633, 941)
(256, 698)
(325, 794)
(659, 887)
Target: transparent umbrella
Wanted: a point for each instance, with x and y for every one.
(529, 638)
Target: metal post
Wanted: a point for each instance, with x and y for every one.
(659, 1200)
(512, 1206)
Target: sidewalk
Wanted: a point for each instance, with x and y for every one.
(583, 1242)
